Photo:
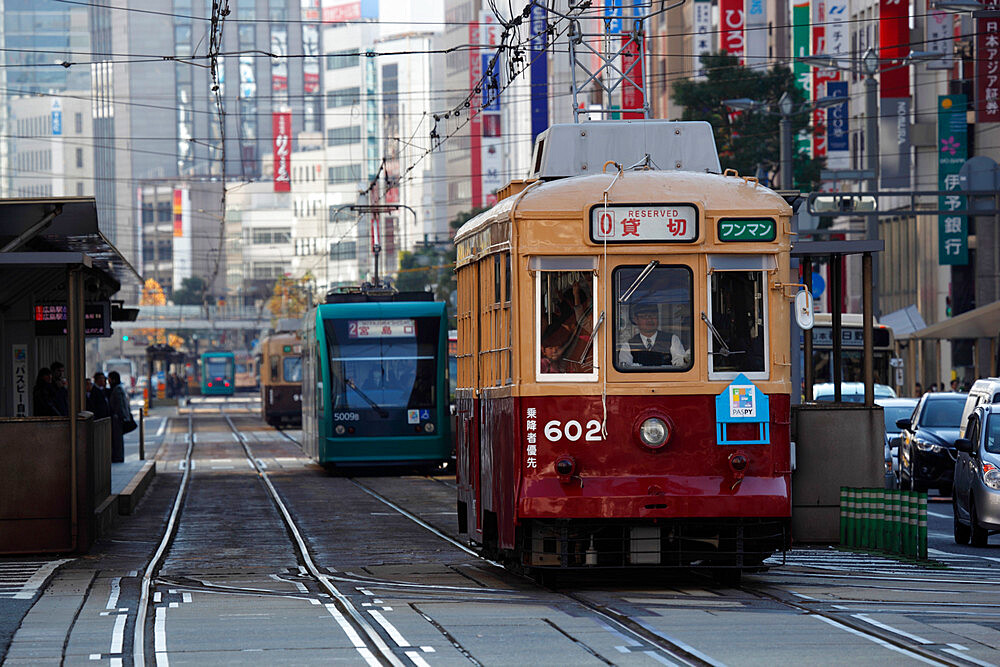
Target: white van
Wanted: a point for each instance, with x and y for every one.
(983, 391)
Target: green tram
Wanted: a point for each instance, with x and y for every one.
(218, 374)
(375, 380)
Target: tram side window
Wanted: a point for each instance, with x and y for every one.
(738, 315)
(653, 318)
(566, 320)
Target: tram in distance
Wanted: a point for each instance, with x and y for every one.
(375, 380)
(281, 378)
(218, 373)
(624, 382)
(246, 378)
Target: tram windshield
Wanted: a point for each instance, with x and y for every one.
(377, 365)
(217, 367)
(292, 369)
(653, 318)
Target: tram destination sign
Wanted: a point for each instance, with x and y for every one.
(747, 229)
(644, 223)
(401, 328)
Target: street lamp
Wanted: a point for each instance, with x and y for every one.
(786, 108)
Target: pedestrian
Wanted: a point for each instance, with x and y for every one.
(954, 385)
(120, 415)
(61, 387)
(98, 401)
(918, 390)
(43, 395)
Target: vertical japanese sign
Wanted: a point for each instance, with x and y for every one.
(894, 93)
(531, 438)
(802, 71)
(282, 130)
(539, 72)
(988, 66)
(491, 141)
(475, 122)
(56, 117)
(941, 39)
(756, 33)
(19, 372)
(731, 22)
(836, 121)
(632, 92)
(820, 76)
(953, 234)
(703, 40)
(183, 243)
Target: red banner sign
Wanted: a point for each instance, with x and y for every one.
(894, 46)
(282, 133)
(988, 68)
(178, 213)
(475, 121)
(632, 93)
(732, 18)
(340, 13)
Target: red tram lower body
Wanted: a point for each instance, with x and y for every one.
(282, 404)
(540, 484)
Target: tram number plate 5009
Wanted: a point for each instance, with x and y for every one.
(572, 430)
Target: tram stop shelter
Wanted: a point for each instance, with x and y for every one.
(58, 273)
(837, 443)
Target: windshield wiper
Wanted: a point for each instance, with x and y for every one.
(375, 406)
(593, 336)
(726, 352)
(638, 281)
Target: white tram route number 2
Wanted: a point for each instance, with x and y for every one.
(572, 430)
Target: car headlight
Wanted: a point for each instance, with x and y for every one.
(991, 476)
(925, 446)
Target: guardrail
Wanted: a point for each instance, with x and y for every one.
(884, 520)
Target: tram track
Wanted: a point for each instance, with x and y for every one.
(366, 640)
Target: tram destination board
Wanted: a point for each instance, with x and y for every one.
(50, 319)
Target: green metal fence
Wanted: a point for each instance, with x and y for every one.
(884, 520)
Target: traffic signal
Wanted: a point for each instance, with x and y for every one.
(125, 338)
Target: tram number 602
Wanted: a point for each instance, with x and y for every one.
(572, 431)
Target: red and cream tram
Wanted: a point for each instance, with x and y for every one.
(623, 358)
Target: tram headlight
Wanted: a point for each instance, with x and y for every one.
(654, 432)
(339, 429)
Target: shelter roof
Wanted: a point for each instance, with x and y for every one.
(982, 322)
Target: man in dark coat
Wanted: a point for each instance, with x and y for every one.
(97, 402)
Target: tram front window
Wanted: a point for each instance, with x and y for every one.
(738, 317)
(292, 369)
(216, 368)
(653, 318)
(377, 366)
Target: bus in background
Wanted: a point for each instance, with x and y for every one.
(126, 369)
(852, 349)
(246, 371)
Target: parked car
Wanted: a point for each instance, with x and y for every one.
(894, 409)
(986, 390)
(976, 497)
(927, 442)
(850, 392)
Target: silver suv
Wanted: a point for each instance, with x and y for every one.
(976, 495)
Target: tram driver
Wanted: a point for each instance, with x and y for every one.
(651, 345)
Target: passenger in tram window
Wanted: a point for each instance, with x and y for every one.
(43, 395)
(554, 344)
(652, 346)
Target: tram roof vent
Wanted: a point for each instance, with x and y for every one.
(581, 149)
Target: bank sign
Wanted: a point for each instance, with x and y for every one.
(953, 150)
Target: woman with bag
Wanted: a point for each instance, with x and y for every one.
(121, 417)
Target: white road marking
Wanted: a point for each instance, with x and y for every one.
(967, 658)
(116, 662)
(26, 588)
(157, 596)
(390, 628)
(939, 515)
(163, 428)
(417, 659)
(352, 636)
(160, 636)
(427, 649)
(118, 634)
(116, 589)
(185, 597)
(877, 640)
(95, 656)
(889, 628)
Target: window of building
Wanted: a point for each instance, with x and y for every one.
(341, 136)
(343, 250)
(78, 122)
(348, 173)
(343, 97)
(271, 235)
(79, 189)
(653, 317)
(343, 59)
(79, 157)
